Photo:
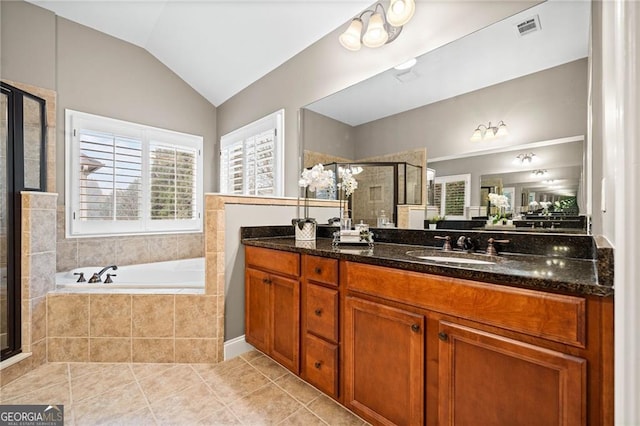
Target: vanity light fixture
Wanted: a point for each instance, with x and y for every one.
(488, 132)
(539, 172)
(382, 27)
(525, 158)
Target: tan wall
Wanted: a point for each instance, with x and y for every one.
(326, 135)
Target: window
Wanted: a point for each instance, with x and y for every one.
(127, 178)
(452, 195)
(252, 158)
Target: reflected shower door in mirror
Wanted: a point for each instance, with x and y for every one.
(381, 188)
(536, 83)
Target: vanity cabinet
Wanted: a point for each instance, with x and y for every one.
(384, 362)
(487, 379)
(411, 348)
(320, 319)
(272, 304)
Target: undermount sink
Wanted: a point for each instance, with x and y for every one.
(450, 259)
(456, 260)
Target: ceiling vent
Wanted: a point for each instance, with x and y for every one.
(528, 26)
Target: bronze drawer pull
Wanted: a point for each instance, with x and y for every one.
(266, 280)
(318, 312)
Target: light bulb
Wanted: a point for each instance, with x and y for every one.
(376, 35)
(502, 130)
(400, 12)
(477, 135)
(350, 39)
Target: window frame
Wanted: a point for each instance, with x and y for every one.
(443, 180)
(273, 121)
(76, 228)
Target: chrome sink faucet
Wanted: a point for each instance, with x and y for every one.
(465, 244)
(97, 276)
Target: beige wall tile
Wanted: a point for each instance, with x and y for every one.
(152, 315)
(60, 223)
(132, 251)
(196, 350)
(38, 319)
(68, 349)
(43, 200)
(110, 315)
(163, 247)
(190, 246)
(195, 316)
(15, 371)
(153, 350)
(43, 230)
(96, 252)
(38, 353)
(41, 273)
(66, 255)
(67, 315)
(110, 349)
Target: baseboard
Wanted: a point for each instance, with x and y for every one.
(235, 347)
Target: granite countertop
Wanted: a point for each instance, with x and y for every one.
(578, 276)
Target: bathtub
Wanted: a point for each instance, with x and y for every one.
(175, 276)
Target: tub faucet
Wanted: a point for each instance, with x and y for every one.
(97, 276)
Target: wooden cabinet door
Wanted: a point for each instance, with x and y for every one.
(285, 321)
(488, 380)
(257, 321)
(384, 362)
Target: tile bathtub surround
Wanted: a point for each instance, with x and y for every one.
(37, 265)
(163, 328)
(250, 389)
(124, 250)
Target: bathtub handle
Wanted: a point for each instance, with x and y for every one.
(109, 280)
(81, 278)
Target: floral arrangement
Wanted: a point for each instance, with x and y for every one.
(545, 206)
(348, 184)
(312, 180)
(502, 203)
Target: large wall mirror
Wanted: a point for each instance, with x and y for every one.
(529, 72)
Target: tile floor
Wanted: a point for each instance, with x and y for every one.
(248, 390)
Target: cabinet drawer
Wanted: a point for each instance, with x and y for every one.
(321, 364)
(282, 262)
(551, 316)
(320, 269)
(321, 311)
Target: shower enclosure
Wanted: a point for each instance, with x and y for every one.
(382, 186)
(22, 167)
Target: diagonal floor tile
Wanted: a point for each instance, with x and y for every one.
(168, 382)
(267, 405)
(101, 379)
(187, 406)
(110, 405)
(268, 367)
(56, 394)
(222, 417)
(298, 389)
(332, 413)
(233, 384)
(43, 376)
(302, 417)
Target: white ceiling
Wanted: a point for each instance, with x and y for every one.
(218, 47)
(494, 54)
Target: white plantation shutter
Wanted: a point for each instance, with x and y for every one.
(126, 178)
(232, 169)
(110, 177)
(251, 158)
(173, 171)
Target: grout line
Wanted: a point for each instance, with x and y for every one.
(144, 395)
(215, 395)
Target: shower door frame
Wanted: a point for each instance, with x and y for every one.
(15, 185)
